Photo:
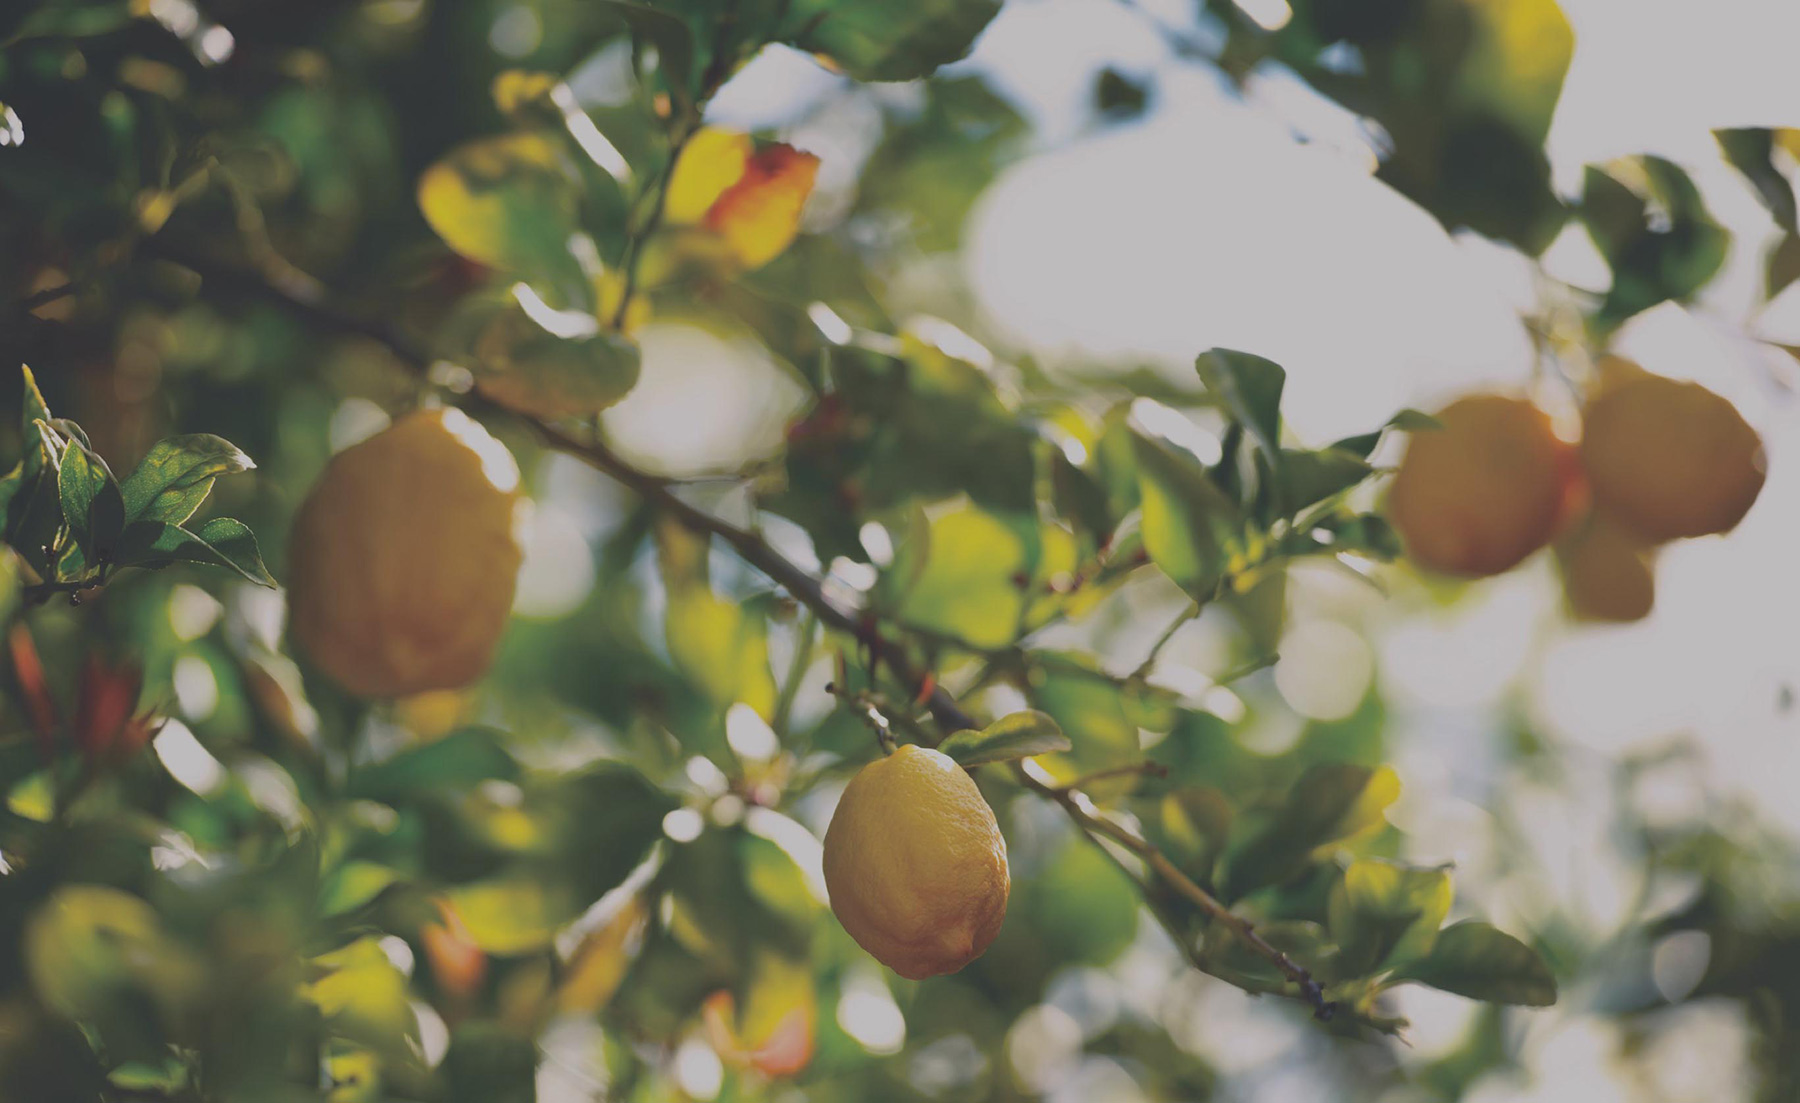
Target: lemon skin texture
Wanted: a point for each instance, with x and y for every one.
(1670, 459)
(403, 558)
(1488, 489)
(916, 865)
(1608, 574)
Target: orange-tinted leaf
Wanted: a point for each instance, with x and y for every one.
(759, 215)
(28, 669)
(774, 1033)
(712, 161)
(457, 963)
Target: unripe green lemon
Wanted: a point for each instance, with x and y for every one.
(404, 559)
(1479, 495)
(916, 865)
(1670, 459)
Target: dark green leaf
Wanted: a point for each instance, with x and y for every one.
(673, 40)
(1330, 802)
(876, 40)
(1407, 421)
(1476, 960)
(1751, 150)
(524, 367)
(489, 1063)
(1020, 735)
(1190, 528)
(176, 476)
(610, 816)
(1308, 478)
(79, 481)
(460, 760)
(1648, 221)
(221, 542)
(1783, 267)
(1249, 387)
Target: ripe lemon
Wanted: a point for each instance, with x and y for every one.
(1670, 459)
(915, 864)
(403, 559)
(1608, 574)
(1479, 495)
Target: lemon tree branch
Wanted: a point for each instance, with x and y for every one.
(806, 588)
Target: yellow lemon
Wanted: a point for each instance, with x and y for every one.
(404, 559)
(1479, 495)
(916, 865)
(1670, 459)
(1607, 573)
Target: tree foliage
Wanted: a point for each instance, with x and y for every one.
(224, 878)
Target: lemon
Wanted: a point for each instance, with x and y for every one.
(1608, 574)
(1479, 495)
(916, 865)
(1670, 459)
(404, 560)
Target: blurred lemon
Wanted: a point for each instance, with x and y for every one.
(1607, 573)
(1479, 495)
(404, 558)
(916, 865)
(1669, 459)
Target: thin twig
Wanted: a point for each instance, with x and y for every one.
(1146, 768)
(47, 296)
(39, 592)
(1144, 668)
(1083, 812)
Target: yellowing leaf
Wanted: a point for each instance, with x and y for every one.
(599, 963)
(510, 916)
(507, 201)
(363, 996)
(1383, 914)
(759, 215)
(712, 161)
(721, 649)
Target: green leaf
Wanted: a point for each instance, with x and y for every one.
(1476, 960)
(721, 648)
(1249, 387)
(1655, 257)
(1308, 478)
(34, 411)
(610, 815)
(1383, 914)
(176, 476)
(673, 40)
(966, 577)
(1019, 735)
(1331, 802)
(1192, 824)
(489, 1062)
(1190, 528)
(353, 885)
(458, 761)
(524, 367)
(221, 542)
(875, 40)
(1406, 421)
(1751, 151)
(80, 480)
(1783, 266)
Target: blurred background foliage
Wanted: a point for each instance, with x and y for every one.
(595, 874)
